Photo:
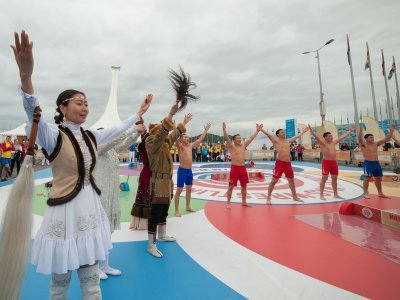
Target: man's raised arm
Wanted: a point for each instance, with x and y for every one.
(253, 136)
(389, 136)
(297, 135)
(203, 135)
(227, 139)
(360, 136)
(271, 138)
(352, 128)
(319, 141)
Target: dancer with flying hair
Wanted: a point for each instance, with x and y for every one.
(158, 145)
(75, 231)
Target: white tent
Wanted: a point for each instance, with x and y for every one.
(14, 133)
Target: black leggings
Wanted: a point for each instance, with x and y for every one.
(158, 214)
(13, 162)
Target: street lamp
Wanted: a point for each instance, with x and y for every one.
(321, 103)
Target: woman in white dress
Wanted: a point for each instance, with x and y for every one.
(75, 232)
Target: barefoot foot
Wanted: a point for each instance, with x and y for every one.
(338, 197)
(246, 204)
(189, 209)
(322, 197)
(269, 201)
(297, 199)
(383, 196)
(228, 206)
(177, 214)
(366, 196)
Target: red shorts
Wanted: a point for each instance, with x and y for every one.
(238, 173)
(283, 167)
(330, 166)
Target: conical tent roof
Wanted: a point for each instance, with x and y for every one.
(110, 116)
(19, 131)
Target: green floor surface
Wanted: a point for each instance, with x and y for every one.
(127, 200)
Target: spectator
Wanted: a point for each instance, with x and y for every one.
(16, 157)
(264, 147)
(5, 158)
(204, 152)
(344, 146)
(198, 153)
(293, 152)
(300, 150)
(357, 148)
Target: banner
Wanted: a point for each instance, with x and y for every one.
(343, 155)
(320, 132)
(331, 127)
(291, 128)
(262, 154)
(312, 153)
(372, 127)
(305, 138)
(384, 157)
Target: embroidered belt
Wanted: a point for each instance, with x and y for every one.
(161, 176)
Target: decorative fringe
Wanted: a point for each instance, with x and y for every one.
(182, 85)
(16, 227)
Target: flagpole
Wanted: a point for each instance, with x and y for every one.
(353, 87)
(387, 113)
(394, 115)
(380, 110)
(397, 92)
(372, 85)
(387, 89)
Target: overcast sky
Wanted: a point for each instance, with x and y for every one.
(245, 57)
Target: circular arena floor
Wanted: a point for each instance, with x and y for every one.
(287, 250)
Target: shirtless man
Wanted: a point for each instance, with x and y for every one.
(283, 164)
(369, 149)
(185, 175)
(238, 169)
(329, 164)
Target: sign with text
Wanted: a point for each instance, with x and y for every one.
(291, 128)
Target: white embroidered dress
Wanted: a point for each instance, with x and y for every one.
(107, 175)
(78, 232)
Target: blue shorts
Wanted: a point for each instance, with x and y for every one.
(372, 168)
(185, 176)
(5, 161)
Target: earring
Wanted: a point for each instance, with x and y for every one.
(64, 123)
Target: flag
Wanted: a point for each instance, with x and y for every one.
(367, 62)
(391, 71)
(348, 51)
(383, 65)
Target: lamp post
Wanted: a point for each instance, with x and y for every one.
(321, 103)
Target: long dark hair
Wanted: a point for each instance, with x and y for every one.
(62, 97)
(182, 84)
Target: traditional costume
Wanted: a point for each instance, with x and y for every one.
(158, 146)
(75, 230)
(141, 208)
(107, 175)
